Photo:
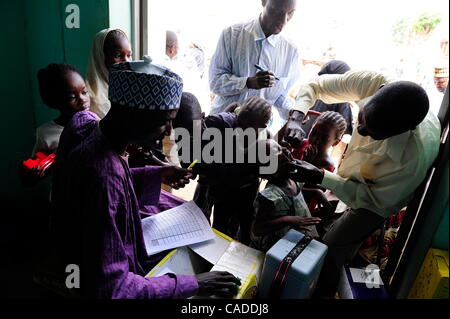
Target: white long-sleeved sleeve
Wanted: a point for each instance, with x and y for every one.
(381, 197)
(222, 81)
(337, 88)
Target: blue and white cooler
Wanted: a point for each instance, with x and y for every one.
(292, 267)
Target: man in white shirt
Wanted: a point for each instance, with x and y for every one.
(254, 59)
(394, 145)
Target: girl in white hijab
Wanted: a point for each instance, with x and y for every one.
(110, 46)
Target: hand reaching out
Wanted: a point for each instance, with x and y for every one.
(175, 176)
(293, 133)
(217, 283)
(304, 172)
(301, 223)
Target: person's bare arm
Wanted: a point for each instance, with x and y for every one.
(330, 88)
(266, 227)
(263, 226)
(293, 132)
(322, 201)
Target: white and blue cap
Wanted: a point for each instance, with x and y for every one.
(144, 85)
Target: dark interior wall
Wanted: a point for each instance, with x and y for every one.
(49, 40)
(34, 34)
(17, 120)
(441, 239)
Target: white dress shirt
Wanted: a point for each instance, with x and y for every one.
(240, 47)
(380, 176)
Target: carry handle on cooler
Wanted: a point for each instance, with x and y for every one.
(279, 282)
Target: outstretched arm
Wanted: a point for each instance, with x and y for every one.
(331, 88)
(264, 224)
(337, 88)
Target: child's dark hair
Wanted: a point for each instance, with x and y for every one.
(111, 40)
(253, 107)
(51, 82)
(189, 110)
(336, 120)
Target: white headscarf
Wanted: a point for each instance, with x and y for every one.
(97, 75)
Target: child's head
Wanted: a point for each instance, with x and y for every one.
(116, 48)
(282, 156)
(62, 87)
(255, 113)
(189, 111)
(327, 130)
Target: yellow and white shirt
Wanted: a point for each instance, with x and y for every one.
(379, 176)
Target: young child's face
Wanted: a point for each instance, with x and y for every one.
(283, 154)
(121, 52)
(322, 136)
(75, 97)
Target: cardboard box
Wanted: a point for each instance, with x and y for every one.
(432, 280)
(222, 254)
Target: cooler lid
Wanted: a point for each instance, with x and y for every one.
(305, 262)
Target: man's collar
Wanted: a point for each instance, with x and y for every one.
(259, 35)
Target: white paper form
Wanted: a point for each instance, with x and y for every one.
(179, 226)
(240, 260)
(212, 249)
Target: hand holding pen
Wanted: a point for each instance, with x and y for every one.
(262, 79)
(262, 70)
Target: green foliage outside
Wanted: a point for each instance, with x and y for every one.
(406, 31)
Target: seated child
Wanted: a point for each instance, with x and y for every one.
(61, 88)
(280, 207)
(326, 132)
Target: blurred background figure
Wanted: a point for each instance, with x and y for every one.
(172, 45)
(440, 76)
(196, 52)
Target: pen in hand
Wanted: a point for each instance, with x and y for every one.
(261, 69)
(193, 163)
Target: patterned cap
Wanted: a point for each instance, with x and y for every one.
(441, 72)
(144, 85)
